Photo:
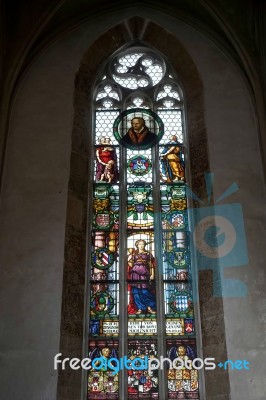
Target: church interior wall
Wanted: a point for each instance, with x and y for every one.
(34, 208)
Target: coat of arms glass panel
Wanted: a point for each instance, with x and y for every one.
(140, 272)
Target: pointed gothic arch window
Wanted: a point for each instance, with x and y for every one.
(140, 271)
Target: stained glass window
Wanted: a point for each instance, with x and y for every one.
(140, 299)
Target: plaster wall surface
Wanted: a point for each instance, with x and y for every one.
(234, 153)
(33, 208)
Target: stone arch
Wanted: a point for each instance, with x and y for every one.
(73, 338)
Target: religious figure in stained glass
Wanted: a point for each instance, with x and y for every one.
(172, 165)
(138, 128)
(106, 162)
(141, 265)
(139, 210)
(102, 380)
(182, 379)
(139, 134)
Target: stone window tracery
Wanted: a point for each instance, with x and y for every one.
(140, 270)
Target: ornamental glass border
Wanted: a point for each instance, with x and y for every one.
(140, 247)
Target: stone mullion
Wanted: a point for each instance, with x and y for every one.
(123, 318)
